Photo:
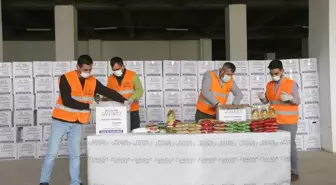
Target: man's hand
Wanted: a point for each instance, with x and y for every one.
(93, 105)
(130, 101)
(127, 104)
(286, 97)
(261, 96)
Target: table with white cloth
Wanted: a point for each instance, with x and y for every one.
(194, 159)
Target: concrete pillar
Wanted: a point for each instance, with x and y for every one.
(236, 32)
(1, 35)
(304, 48)
(66, 32)
(95, 50)
(205, 49)
(322, 45)
(270, 56)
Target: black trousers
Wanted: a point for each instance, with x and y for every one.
(135, 120)
(201, 115)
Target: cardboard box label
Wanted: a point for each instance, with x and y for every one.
(111, 120)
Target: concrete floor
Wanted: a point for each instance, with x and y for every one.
(317, 168)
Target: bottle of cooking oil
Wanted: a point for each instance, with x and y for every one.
(255, 113)
(271, 112)
(263, 112)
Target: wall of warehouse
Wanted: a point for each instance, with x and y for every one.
(129, 50)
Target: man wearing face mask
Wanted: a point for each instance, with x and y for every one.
(72, 109)
(128, 84)
(283, 94)
(216, 87)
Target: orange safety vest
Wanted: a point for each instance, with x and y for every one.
(126, 89)
(78, 93)
(286, 113)
(221, 94)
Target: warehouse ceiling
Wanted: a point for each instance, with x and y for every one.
(272, 24)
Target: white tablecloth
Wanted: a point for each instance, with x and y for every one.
(204, 159)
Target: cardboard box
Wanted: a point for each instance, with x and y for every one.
(42, 69)
(189, 98)
(242, 81)
(45, 101)
(154, 83)
(6, 118)
(314, 127)
(154, 99)
(172, 83)
(219, 64)
(296, 78)
(153, 68)
(257, 82)
(99, 68)
(56, 84)
(155, 115)
(200, 80)
(32, 134)
(46, 130)
(188, 68)
(44, 85)
(311, 95)
(8, 151)
(257, 67)
(310, 80)
(308, 65)
(63, 151)
(24, 102)
(23, 118)
(42, 149)
(189, 83)
(246, 98)
(8, 135)
(254, 97)
(299, 140)
(61, 67)
(88, 130)
(312, 142)
(177, 111)
(242, 67)
(302, 127)
(23, 69)
(204, 66)
(83, 148)
(171, 68)
(233, 113)
(43, 116)
(111, 118)
(73, 65)
(93, 117)
(291, 65)
(27, 150)
(6, 70)
(6, 86)
(136, 66)
(172, 99)
(6, 102)
(301, 116)
(23, 86)
(143, 116)
(188, 114)
(311, 111)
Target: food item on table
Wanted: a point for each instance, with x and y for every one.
(255, 113)
(170, 129)
(271, 112)
(162, 126)
(263, 113)
(170, 117)
(152, 128)
(182, 132)
(195, 131)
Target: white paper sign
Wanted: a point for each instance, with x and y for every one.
(32, 134)
(204, 66)
(311, 95)
(153, 68)
(257, 82)
(136, 66)
(44, 85)
(6, 70)
(189, 83)
(42, 68)
(242, 67)
(6, 102)
(257, 67)
(154, 99)
(188, 113)
(56, 84)
(8, 151)
(111, 120)
(172, 83)
(310, 80)
(177, 111)
(302, 127)
(6, 86)
(171, 68)
(312, 142)
(153, 83)
(8, 135)
(23, 69)
(308, 65)
(43, 116)
(23, 118)
(231, 114)
(155, 115)
(189, 98)
(60, 68)
(99, 68)
(27, 150)
(242, 81)
(45, 101)
(188, 67)
(23, 85)
(291, 65)
(311, 111)
(24, 102)
(42, 149)
(6, 119)
(314, 127)
(172, 98)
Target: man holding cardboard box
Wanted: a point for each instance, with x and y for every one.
(75, 100)
(128, 84)
(216, 87)
(283, 94)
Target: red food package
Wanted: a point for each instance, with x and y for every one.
(271, 124)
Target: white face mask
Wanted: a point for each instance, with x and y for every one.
(118, 72)
(85, 75)
(276, 78)
(226, 78)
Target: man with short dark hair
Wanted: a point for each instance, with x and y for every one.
(283, 94)
(216, 87)
(75, 100)
(128, 84)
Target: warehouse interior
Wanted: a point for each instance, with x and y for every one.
(159, 30)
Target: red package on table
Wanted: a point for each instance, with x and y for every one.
(270, 130)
